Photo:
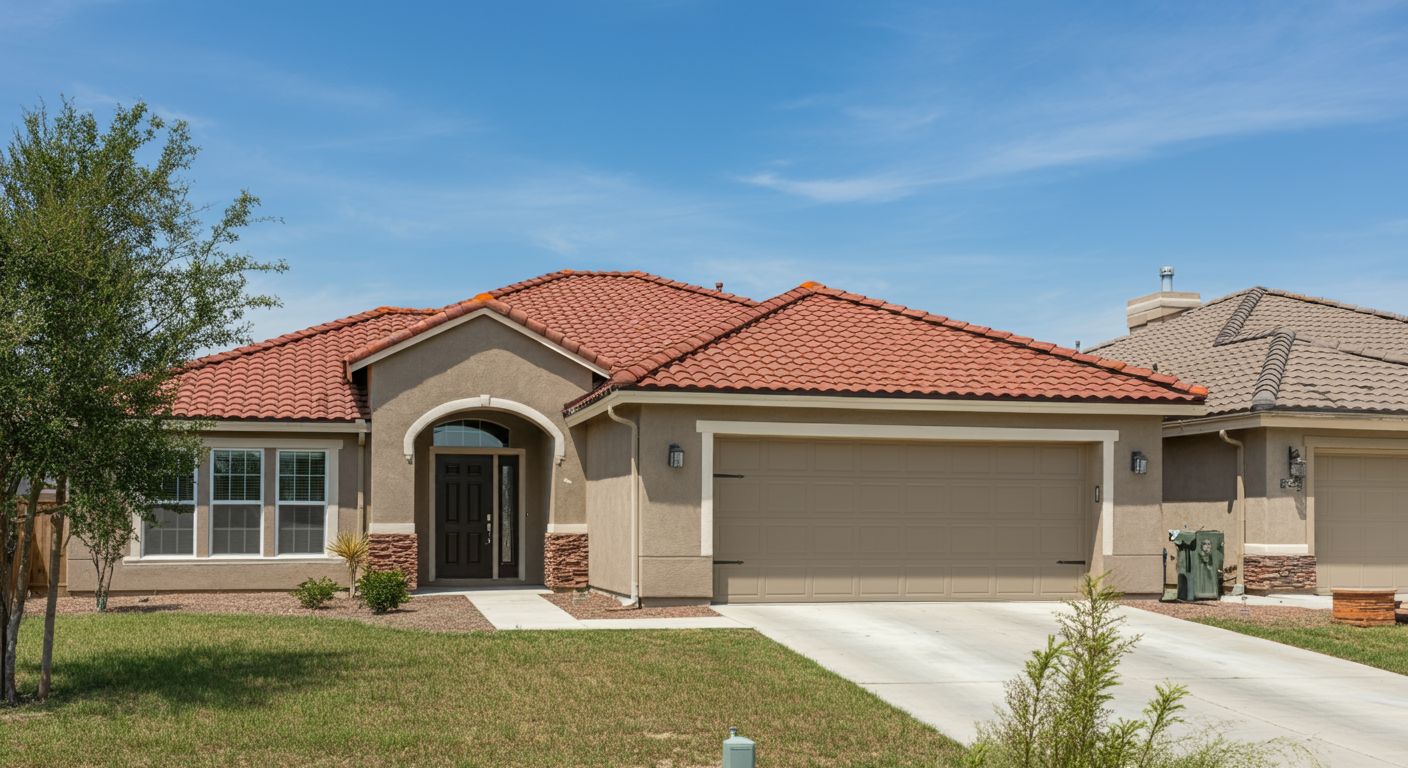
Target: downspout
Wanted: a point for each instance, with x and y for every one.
(361, 482)
(635, 501)
(1241, 506)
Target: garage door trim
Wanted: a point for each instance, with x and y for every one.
(707, 429)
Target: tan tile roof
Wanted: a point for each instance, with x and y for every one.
(1260, 349)
(818, 340)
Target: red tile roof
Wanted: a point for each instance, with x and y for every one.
(610, 319)
(818, 340)
(653, 333)
(297, 376)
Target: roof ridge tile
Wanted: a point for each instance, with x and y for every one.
(299, 335)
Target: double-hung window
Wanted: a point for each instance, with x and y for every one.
(303, 502)
(236, 502)
(171, 529)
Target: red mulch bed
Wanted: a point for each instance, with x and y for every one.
(435, 613)
(1284, 615)
(594, 605)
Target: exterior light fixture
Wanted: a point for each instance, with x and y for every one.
(1139, 463)
(1296, 468)
(676, 456)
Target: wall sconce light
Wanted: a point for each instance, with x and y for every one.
(1139, 463)
(1296, 467)
(676, 456)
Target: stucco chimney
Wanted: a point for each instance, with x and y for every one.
(1162, 304)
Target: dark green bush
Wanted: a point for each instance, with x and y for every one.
(383, 591)
(315, 593)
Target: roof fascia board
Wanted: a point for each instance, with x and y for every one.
(340, 427)
(455, 323)
(905, 432)
(1365, 422)
(623, 397)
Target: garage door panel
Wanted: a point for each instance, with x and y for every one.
(972, 500)
(1015, 581)
(880, 582)
(1015, 460)
(930, 540)
(847, 520)
(1361, 520)
(833, 540)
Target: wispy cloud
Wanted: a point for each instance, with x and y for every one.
(1292, 69)
(35, 14)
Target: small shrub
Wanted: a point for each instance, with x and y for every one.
(383, 591)
(315, 593)
(1058, 713)
(355, 549)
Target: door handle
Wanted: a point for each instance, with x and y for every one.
(728, 562)
(1070, 562)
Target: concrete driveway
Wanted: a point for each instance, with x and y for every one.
(946, 663)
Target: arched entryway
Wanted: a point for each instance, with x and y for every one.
(483, 491)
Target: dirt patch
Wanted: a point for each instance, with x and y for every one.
(594, 605)
(436, 613)
(1282, 615)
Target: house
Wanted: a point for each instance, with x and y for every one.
(671, 443)
(1302, 456)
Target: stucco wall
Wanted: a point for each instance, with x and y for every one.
(480, 357)
(203, 573)
(670, 541)
(1200, 487)
(609, 502)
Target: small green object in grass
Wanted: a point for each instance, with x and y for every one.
(315, 593)
(383, 591)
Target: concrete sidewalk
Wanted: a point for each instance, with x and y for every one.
(946, 664)
(524, 608)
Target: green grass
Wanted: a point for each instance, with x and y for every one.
(1382, 647)
(183, 689)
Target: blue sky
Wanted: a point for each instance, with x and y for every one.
(1027, 167)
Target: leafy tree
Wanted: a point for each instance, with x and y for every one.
(110, 280)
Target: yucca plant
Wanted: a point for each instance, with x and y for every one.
(355, 549)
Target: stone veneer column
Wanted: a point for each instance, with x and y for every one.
(1279, 573)
(565, 561)
(390, 551)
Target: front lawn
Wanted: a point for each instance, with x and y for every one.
(1382, 647)
(183, 689)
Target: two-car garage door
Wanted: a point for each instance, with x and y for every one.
(817, 520)
(1361, 520)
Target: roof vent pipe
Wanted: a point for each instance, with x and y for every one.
(719, 286)
(1166, 277)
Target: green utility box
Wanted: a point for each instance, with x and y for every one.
(1199, 564)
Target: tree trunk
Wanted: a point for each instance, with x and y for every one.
(20, 590)
(51, 604)
(7, 513)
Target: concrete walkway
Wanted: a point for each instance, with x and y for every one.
(525, 608)
(946, 663)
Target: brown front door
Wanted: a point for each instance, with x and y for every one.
(464, 503)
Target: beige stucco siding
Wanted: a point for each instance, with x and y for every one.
(609, 481)
(267, 572)
(479, 357)
(670, 520)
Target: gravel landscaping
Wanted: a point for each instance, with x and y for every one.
(1281, 615)
(447, 613)
(594, 605)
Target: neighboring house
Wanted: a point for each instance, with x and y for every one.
(650, 438)
(1307, 422)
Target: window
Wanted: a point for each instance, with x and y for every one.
(303, 506)
(172, 527)
(471, 433)
(236, 502)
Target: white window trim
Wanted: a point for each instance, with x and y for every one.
(708, 429)
(329, 519)
(139, 543)
(210, 529)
